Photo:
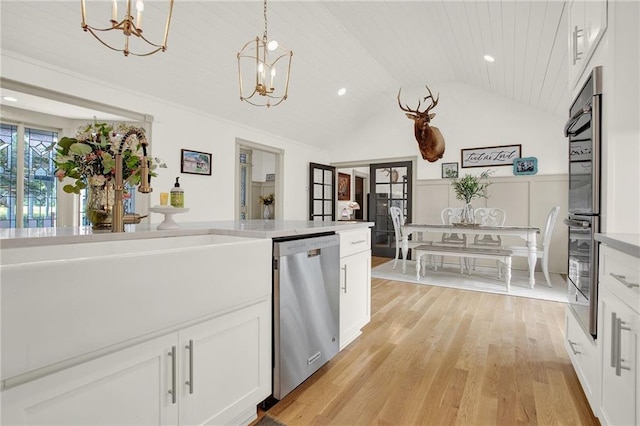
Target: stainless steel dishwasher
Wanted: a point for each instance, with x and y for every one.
(306, 308)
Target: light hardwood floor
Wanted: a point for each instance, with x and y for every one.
(440, 356)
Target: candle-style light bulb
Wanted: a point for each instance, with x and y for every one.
(114, 11)
(261, 73)
(139, 8)
(273, 74)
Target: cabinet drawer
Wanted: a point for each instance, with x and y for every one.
(354, 241)
(620, 272)
(584, 356)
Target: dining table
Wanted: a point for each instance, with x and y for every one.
(527, 233)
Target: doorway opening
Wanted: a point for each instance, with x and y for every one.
(258, 174)
(383, 183)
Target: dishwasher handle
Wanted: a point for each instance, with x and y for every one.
(314, 252)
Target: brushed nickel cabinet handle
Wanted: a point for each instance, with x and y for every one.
(623, 280)
(576, 54)
(345, 279)
(189, 382)
(614, 339)
(172, 391)
(619, 360)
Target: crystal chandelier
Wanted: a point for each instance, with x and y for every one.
(129, 26)
(264, 67)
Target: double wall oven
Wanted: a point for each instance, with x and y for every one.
(584, 132)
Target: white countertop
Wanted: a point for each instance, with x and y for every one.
(33, 237)
(626, 243)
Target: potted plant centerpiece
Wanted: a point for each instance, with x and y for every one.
(89, 159)
(267, 200)
(467, 188)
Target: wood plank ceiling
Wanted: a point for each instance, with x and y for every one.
(370, 47)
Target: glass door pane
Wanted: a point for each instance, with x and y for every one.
(322, 181)
(390, 186)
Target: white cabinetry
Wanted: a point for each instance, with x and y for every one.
(355, 283)
(209, 372)
(126, 387)
(583, 351)
(587, 23)
(619, 328)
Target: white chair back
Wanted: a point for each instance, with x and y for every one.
(490, 216)
(548, 227)
(450, 215)
(398, 221)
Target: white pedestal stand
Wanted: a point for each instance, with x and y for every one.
(168, 213)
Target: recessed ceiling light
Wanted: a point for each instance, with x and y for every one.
(9, 99)
(342, 91)
(272, 45)
(489, 58)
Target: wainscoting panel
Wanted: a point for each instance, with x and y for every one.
(526, 200)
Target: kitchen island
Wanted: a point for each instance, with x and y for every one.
(144, 326)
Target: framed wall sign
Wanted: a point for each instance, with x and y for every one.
(449, 170)
(344, 187)
(195, 162)
(525, 166)
(503, 155)
(270, 177)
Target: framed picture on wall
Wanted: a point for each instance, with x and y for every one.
(344, 187)
(195, 162)
(449, 170)
(502, 155)
(525, 166)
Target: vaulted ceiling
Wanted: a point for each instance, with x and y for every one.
(372, 48)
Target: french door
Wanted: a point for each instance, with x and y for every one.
(322, 193)
(391, 185)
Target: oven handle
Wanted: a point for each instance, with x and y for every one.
(585, 110)
(577, 223)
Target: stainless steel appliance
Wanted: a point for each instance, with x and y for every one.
(306, 308)
(584, 132)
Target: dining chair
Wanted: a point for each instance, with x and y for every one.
(449, 216)
(542, 253)
(398, 220)
(488, 216)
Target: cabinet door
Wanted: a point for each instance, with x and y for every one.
(620, 340)
(355, 295)
(225, 365)
(577, 44)
(126, 387)
(595, 22)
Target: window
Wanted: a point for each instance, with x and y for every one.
(27, 177)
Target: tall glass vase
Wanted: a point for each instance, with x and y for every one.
(267, 212)
(99, 205)
(468, 216)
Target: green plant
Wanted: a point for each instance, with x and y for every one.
(89, 157)
(267, 199)
(469, 186)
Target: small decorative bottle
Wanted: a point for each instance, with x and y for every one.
(177, 195)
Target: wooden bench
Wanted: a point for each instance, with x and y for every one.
(501, 255)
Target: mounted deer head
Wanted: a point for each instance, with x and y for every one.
(430, 140)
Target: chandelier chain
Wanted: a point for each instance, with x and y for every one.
(264, 37)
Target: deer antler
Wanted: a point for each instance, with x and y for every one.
(406, 107)
(434, 101)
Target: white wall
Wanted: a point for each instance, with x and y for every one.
(174, 128)
(468, 117)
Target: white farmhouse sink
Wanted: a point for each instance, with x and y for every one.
(70, 300)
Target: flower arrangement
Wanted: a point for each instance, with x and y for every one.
(469, 187)
(89, 157)
(267, 199)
